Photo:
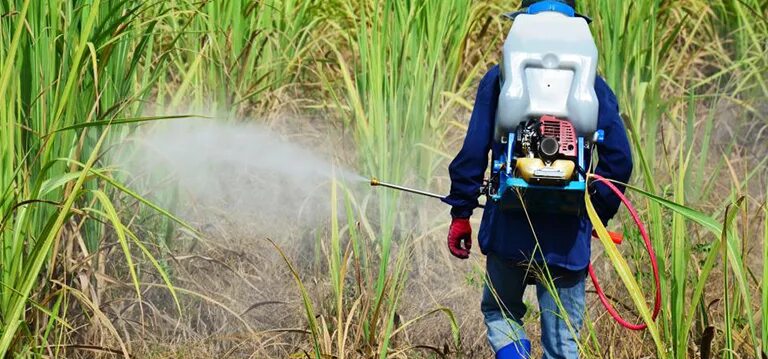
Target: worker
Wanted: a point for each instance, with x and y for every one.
(507, 237)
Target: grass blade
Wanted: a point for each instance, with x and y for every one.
(625, 273)
(38, 256)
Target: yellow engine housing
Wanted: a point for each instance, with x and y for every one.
(535, 171)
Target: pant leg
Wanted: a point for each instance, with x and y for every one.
(559, 339)
(503, 308)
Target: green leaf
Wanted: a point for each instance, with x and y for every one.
(117, 225)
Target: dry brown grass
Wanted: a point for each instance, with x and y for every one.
(239, 299)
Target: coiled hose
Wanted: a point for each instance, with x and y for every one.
(655, 267)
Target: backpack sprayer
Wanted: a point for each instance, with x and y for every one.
(547, 120)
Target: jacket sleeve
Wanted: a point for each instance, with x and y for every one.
(614, 155)
(468, 167)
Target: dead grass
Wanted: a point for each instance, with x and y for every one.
(240, 301)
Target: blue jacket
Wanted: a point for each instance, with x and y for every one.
(564, 239)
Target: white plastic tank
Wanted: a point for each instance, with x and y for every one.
(548, 68)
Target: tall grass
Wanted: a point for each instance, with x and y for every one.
(230, 54)
(407, 56)
(43, 97)
(397, 76)
(763, 311)
(64, 71)
(653, 54)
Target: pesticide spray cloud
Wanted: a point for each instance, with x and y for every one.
(235, 173)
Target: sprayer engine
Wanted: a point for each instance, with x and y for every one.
(547, 151)
(541, 169)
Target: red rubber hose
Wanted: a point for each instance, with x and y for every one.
(603, 299)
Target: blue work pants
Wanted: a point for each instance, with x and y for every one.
(503, 309)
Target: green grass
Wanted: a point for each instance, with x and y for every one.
(407, 55)
(59, 76)
(398, 77)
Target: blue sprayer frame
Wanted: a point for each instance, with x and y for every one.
(568, 198)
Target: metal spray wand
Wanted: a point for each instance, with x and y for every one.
(375, 182)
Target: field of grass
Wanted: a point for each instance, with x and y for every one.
(95, 264)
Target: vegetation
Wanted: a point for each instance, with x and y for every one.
(399, 77)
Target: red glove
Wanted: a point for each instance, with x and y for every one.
(460, 238)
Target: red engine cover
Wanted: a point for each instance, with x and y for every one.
(563, 131)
